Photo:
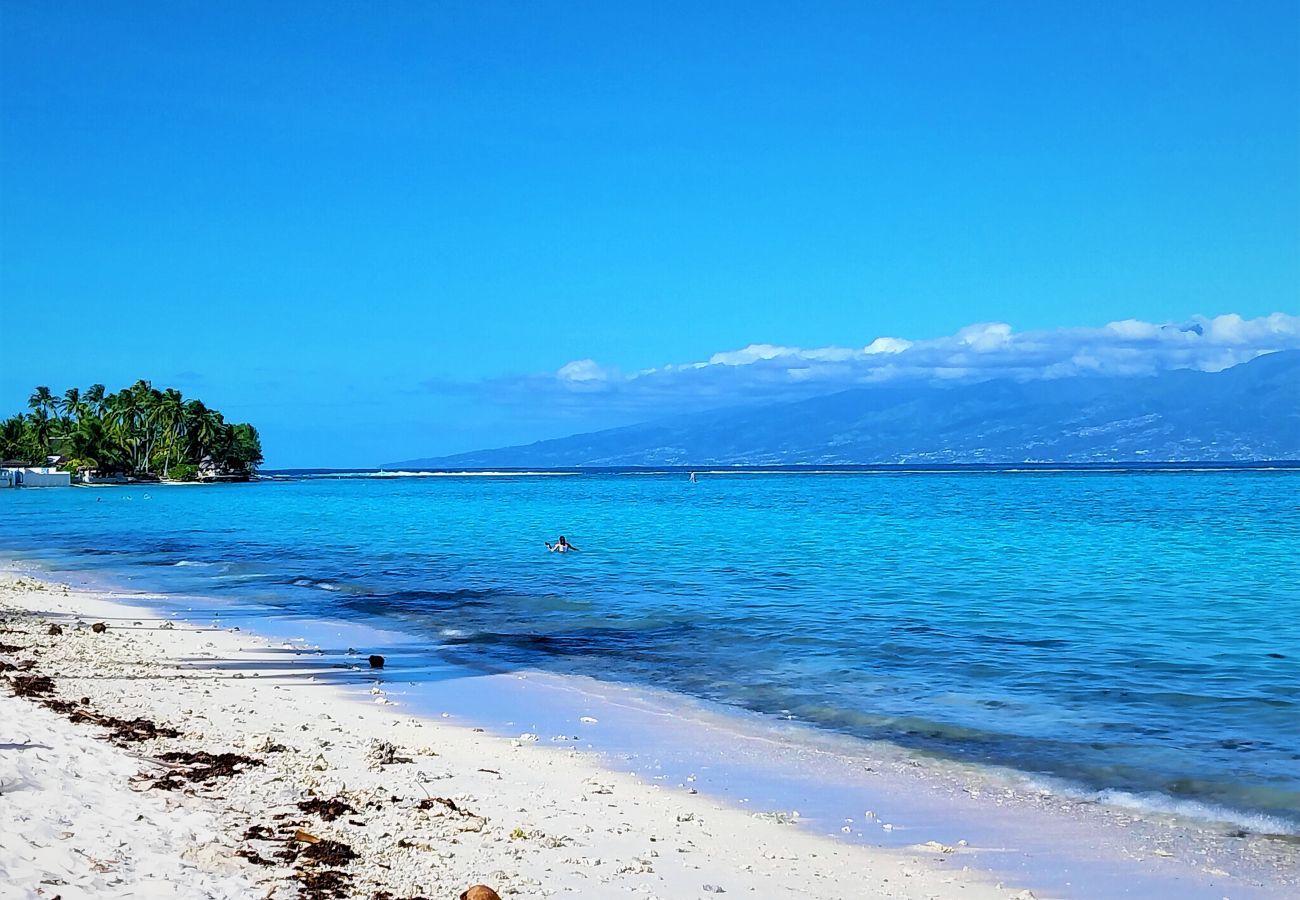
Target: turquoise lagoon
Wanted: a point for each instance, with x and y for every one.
(1121, 633)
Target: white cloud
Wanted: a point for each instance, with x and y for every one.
(769, 372)
(751, 354)
(986, 336)
(583, 371)
(887, 345)
(1133, 330)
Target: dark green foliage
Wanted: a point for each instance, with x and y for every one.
(136, 431)
(183, 472)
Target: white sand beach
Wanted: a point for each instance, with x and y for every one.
(408, 807)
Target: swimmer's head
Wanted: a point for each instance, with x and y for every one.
(562, 540)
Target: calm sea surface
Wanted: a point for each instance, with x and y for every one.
(1128, 631)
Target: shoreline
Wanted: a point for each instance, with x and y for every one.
(528, 819)
(490, 696)
(1065, 859)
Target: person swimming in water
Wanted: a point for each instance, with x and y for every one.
(560, 546)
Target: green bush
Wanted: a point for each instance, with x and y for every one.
(183, 472)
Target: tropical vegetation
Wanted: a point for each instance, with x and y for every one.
(139, 431)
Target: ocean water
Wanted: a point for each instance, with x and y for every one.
(1128, 632)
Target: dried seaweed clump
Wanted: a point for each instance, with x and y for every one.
(329, 810)
(201, 766)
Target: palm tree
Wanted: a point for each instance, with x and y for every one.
(70, 408)
(194, 413)
(40, 431)
(88, 447)
(41, 399)
(124, 425)
(71, 405)
(95, 397)
(171, 418)
(138, 430)
(212, 433)
(12, 432)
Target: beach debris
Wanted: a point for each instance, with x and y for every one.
(480, 892)
(265, 744)
(124, 731)
(305, 837)
(121, 731)
(254, 857)
(325, 884)
(471, 821)
(376, 661)
(10, 648)
(714, 889)
(432, 802)
(329, 810)
(384, 753)
(259, 833)
(31, 685)
(587, 720)
(99, 628)
(448, 804)
(201, 766)
(328, 852)
(55, 630)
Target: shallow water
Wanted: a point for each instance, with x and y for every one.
(1128, 632)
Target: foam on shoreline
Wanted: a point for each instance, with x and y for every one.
(915, 816)
(533, 820)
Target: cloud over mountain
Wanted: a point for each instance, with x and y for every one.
(1247, 412)
(976, 352)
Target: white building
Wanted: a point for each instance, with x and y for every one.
(15, 475)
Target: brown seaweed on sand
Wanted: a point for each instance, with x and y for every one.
(325, 884)
(254, 857)
(125, 731)
(201, 766)
(329, 810)
(328, 853)
(259, 833)
(121, 731)
(31, 685)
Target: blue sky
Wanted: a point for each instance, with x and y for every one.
(380, 231)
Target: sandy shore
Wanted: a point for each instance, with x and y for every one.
(94, 803)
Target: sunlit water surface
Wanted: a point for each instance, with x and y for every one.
(1137, 632)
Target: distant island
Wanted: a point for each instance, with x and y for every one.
(1247, 412)
(138, 433)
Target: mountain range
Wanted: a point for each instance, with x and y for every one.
(1247, 412)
